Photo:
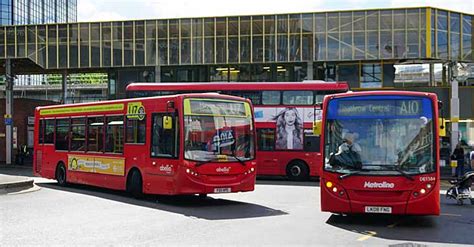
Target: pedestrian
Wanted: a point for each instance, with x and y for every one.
(458, 155)
(471, 159)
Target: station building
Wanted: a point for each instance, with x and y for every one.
(374, 49)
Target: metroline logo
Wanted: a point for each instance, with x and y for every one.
(382, 185)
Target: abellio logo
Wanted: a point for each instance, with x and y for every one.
(166, 168)
(377, 185)
(223, 169)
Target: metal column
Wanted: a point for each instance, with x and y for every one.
(309, 71)
(64, 86)
(9, 112)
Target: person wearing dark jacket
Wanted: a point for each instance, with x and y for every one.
(458, 155)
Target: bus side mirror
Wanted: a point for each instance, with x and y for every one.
(167, 122)
(442, 127)
(317, 125)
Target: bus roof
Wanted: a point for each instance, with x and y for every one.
(186, 95)
(238, 86)
(382, 93)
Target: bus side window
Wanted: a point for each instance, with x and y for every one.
(62, 134)
(136, 130)
(163, 141)
(271, 97)
(41, 131)
(266, 139)
(95, 135)
(114, 134)
(78, 134)
(319, 96)
(311, 143)
(49, 131)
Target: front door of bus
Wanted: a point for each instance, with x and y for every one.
(164, 151)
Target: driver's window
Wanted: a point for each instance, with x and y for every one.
(163, 141)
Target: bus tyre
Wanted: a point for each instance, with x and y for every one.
(61, 174)
(135, 184)
(297, 170)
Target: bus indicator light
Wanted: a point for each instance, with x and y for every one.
(329, 184)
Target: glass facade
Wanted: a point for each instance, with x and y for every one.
(19, 12)
(389, 34)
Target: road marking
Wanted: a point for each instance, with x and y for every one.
(367, 235)
(453, 215)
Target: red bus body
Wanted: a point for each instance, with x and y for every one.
(295, 163)
(111, 167)
(370, 192)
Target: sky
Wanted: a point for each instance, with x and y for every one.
(106, 10)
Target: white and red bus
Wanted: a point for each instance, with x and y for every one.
(177, 144)
(284, 116)
(381, 153)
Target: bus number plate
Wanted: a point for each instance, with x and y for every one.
(222, 190)
(378, 210)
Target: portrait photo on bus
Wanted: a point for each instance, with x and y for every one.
(289, 129)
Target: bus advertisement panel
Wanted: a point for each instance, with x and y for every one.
(381, 153)
(284, 116)
(185, 144)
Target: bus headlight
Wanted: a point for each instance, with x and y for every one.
(334, 189)
(422, 191)
(428, 186)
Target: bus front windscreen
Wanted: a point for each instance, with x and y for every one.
(218, 131)
(392, 136)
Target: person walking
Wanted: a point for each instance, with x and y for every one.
(458, 155)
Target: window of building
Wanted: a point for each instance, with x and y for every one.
(271, 97)
(266, 139)
(78, 134)
(371, 76)
(163, 141)
(62, 134)
(136, 130)
(114, 134)
(298, 97)
(95, 134)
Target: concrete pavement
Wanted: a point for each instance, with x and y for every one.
(15, 178)
(11, 181)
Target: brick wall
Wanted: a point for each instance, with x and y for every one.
(22, 109)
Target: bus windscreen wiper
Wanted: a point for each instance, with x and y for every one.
(348, 174)
(236, 158)
(352, 173)
(398, 169)
(200, 163)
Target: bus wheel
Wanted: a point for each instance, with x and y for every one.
(297, 170)
(135, 184)
(61, 174)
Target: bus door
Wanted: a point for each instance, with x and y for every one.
(164, 148)
(268, 158)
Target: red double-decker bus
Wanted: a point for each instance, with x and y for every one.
(284, 116)
(178, 144)
(381, 153)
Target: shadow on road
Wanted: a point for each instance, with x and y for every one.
(208, 208)
(454, 225)
(270, 180)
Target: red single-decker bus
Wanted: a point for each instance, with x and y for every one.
(381, 153)
(171, 145)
